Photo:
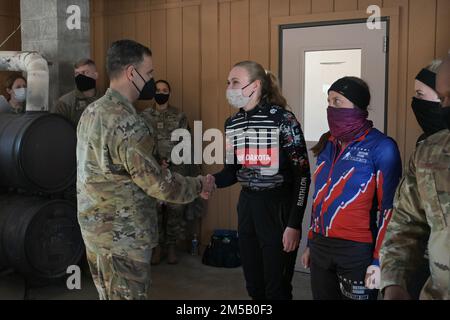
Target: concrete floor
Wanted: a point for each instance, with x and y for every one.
(188, 280)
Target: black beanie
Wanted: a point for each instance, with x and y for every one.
(353, 91)
(428, 77)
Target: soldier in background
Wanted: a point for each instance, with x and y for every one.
(119, 179)
(72, 104)
(426, 104)
(164, 119)
(427, 109)
(421, 217)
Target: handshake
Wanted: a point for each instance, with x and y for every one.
(208, 181)
(208, 186)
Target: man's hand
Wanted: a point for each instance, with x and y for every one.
(208, 186)
(373, 276)
(291, 239)
(396, 293)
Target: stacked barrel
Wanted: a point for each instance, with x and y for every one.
(39, 232)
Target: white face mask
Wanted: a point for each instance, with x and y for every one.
(237, 99)
(20, 94)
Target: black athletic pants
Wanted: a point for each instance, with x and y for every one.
(338, 269)
(262, 219)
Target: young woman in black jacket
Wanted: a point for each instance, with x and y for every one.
(267, 155)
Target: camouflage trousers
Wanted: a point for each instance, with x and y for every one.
(171, 224)
(119, 278)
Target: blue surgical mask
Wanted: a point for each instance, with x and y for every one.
(20, 94)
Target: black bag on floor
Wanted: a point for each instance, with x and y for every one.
(223, 250)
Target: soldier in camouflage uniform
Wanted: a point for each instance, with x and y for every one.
(421, 217)
(164, 119)
(72, 104)
(118, 178)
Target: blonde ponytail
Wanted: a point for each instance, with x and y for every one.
(273, 92)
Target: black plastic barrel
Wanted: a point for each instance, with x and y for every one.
(37, 152)
(39, 238)
(3, 262)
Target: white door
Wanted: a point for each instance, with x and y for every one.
(313, 57)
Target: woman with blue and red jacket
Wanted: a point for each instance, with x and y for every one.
(358, 169)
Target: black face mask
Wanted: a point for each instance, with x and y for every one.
(428, 115)
(148, 90)
(161, 98)
(84, 83)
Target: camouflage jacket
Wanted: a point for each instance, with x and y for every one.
(421, 220)
(117, 177)
(163, 124)
(72, 105)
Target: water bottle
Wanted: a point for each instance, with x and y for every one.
(194, 249)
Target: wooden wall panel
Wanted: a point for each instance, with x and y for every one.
(96, 8)
(142, 28)
(158, 42)
(114, 28)
(442, 28)
(210, 90)
(298, 7)
(279, 8)
(209, 64)
(224, 60)
(259, 31)
(9, 21)
(10, 8)
(224, 110)
(191, 62)
(129, 30)
(239, 31)
(142, 5)
(143, 35)
(421, 50)
(364, 4)
(402, 70)
(345, 5)
(157, 2)
(175, 55)
(319, 6)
